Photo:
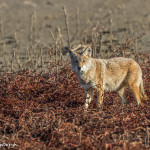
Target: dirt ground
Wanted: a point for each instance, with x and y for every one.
(128, 19)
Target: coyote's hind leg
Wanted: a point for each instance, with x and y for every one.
(136, 93)
(122, 95)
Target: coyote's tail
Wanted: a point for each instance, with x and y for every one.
(142, 92)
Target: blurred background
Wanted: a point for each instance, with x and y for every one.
(34, 32)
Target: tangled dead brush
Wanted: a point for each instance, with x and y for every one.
(39, 112)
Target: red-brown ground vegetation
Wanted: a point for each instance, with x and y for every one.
(46, 112)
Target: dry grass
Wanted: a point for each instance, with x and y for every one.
(41, 113)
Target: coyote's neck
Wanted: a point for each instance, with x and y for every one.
(87, 76)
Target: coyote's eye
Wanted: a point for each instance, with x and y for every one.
(83, 61)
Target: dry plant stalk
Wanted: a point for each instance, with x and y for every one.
(147, 139)
(58, 40)
(5, 59)
(33, 32)
(16, 49)
(1, 28)
(110, 31)
(67, 25)
(77, 21)
(6, 62)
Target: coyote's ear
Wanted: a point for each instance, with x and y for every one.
(71, 52)
(88, 51)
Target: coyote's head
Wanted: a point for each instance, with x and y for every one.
(81, 61)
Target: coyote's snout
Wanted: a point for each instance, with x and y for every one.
(113, 74)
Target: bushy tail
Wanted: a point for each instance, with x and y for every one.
(142, 92)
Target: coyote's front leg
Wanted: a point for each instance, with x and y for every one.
(89, 97)
(100, 95)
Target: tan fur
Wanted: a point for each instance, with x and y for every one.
(113, 74)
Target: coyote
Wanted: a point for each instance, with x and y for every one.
(113, 74)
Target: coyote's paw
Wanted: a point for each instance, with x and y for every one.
(99, 106)
(141, 104)
(145, 98)
(86, 105)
